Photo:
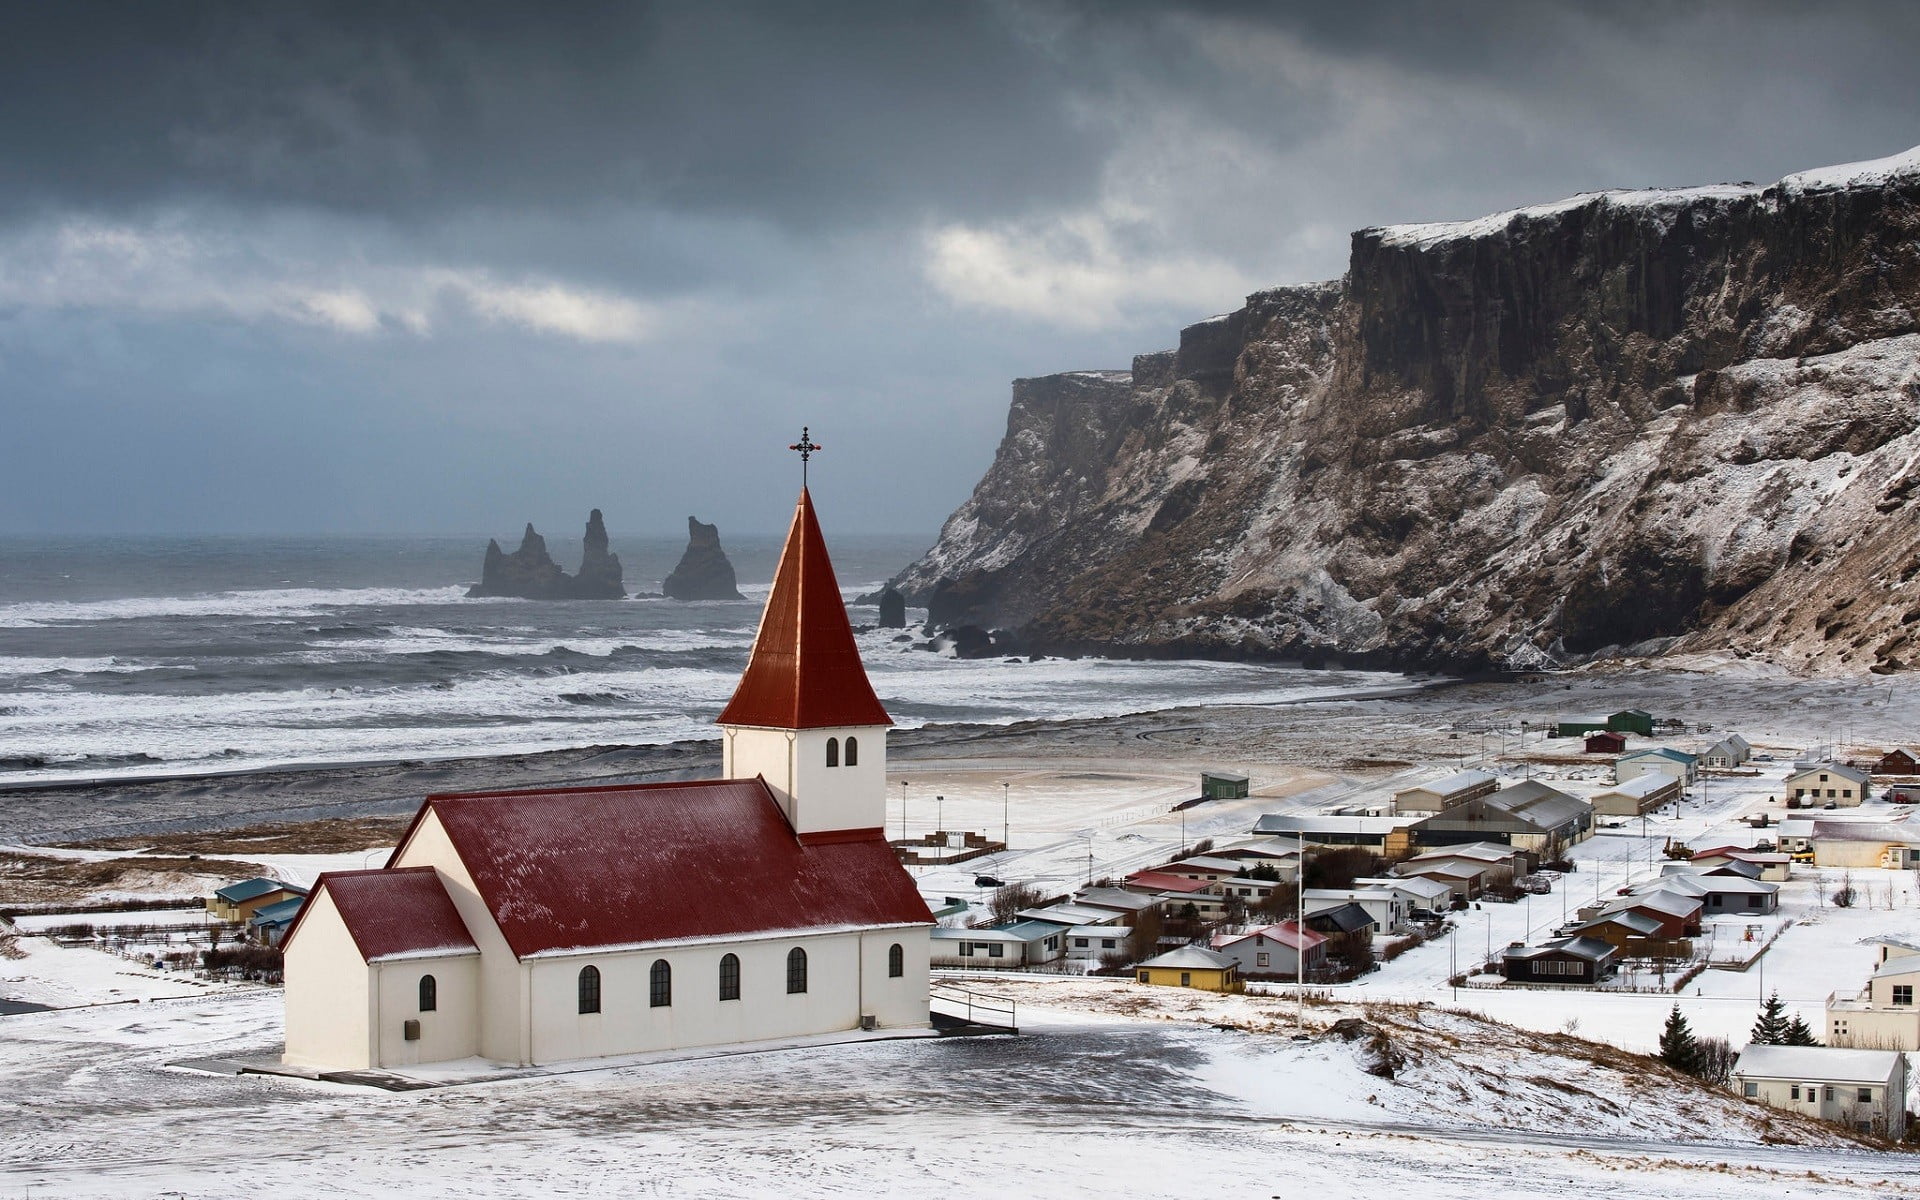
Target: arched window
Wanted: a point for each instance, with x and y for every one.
(896, 961)
(796, 971)
(660, 985)
(729, 976)
(833, 752)
(429, 994)
(589, 989)
(853, 751)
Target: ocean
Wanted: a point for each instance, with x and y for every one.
(141, 656)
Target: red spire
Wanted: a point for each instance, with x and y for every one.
(805, 670)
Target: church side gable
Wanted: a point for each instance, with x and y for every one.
(328, 992)
(501, 985)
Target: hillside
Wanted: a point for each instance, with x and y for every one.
(1648, 421)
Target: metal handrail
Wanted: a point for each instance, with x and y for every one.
(990, 1004)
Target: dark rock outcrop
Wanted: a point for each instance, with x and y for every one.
(1672, 421)
(529, 573)
(703, 572)
(893, 608)
(599, 576)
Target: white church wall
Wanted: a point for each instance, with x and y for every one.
(451, 1030)
(768, 753)
(327, 994)
(501, 977)
(895, 1003)
(627, 1024)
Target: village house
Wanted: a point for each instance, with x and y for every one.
(1606, 742)
(1122, 903)
(1487, 856)
(1191, 967)
(1863, 1089)
(1274, 952)
(1465, 880)
(1675, 913)
(1223, 785)
(562, 923)
(1719, 893)
(1889, 845)
(269, 923)
(1901, 760)
(1794, 836)
(1662, 760)
(1176, 892)
(1067, 915)
(1827, 785)
(1627, 720)
(996, 949)
(1621, 928)
(1424, 898)
(1566, 962)
(238, 902)
(1091, 945)
(1251, 892)
(1530, 815)
(1727, 753)
(1774, 866)
(1386, 907)
(1441, 794)
(1883, 1015)
(1638, 796)
(1337, 829)
(1207, 867)
(1345, 919)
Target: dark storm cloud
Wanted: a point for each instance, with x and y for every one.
(450, 265)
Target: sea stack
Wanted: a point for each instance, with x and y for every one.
(530, 573)
(893, 608)
(599, 577)
(704, 572)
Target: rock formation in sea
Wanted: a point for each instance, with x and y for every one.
(704, 572)
(1654, 422)
(599, 575)
(893, 608)
(529, 573)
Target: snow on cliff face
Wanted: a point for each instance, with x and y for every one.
(1646, 420)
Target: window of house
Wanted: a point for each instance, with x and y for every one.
(896, 961)
(1260, 959)
(996, 950)
(729, 976)
(853, 752)
(796, 971)
(833, 752)
(660, 984)
(429, 993)
(1793, 1093)
(1186, 979)
(1108, 943)
(1143, 977)
(1903, 993)
(1750, 1090)
(1865, 1096)
(966, 949)
(589, 989)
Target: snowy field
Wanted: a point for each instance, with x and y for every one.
(1080, 1107)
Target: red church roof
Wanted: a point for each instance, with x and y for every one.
(805, 670)
(585, 867)
(392, 912)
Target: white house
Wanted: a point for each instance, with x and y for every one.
(1866, 1089)
(1088, 945)
(1441, 794)
(1883, 1015)
(571, 923)
(1730, 751)
(1827, 784)
(1662, 760)
(1424, 897)
(1388, 906)
(1274, 951)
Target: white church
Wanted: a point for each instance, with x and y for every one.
(545, 926)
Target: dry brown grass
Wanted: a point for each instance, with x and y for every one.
(336, 836)
(36, 879)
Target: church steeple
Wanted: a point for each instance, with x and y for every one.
(805, 670)
(804, 716)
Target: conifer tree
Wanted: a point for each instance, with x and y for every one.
(1799, 1033)
(1770, 1028)
(1677, 1046)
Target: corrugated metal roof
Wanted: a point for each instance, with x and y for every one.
(389, 911)
(248, 889)
(569, 868)
(1820, 1064)
(1191, 957)
(804, 671)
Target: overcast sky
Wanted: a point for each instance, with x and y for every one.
(451, 267)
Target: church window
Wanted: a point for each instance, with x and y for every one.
(853, 752)
(796, 971)
(660, 984)
(896, 961)
(589, 989)
(429, 994)
(833, 752)
(730, 977)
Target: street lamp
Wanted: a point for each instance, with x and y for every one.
(939, 815)
(1006, 809)
(903, 810)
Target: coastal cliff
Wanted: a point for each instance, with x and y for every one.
(703, 572)
(1626, 423)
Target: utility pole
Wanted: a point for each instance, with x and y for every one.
(1006, 820)
(939, 815)
(903, 810)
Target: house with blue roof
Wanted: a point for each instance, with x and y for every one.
(270, 923)
(238, 902)
(1661, 760)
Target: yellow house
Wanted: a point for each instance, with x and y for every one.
(1191, 967)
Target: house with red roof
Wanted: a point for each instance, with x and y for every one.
(542, 926)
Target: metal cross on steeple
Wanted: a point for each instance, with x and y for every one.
(806, 446)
